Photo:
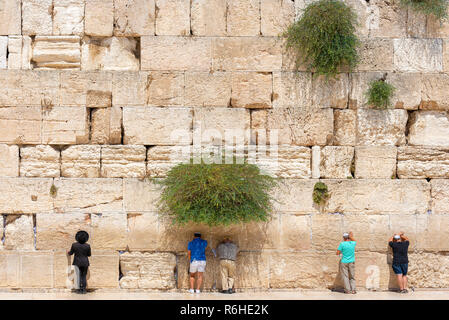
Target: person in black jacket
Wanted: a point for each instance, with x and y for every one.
(81, 249)
(400, 243)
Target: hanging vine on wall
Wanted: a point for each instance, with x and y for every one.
(216, 194)
(320, 193)
(438, 8)
(379, 94)
(324, 38)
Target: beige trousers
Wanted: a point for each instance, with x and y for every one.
(227, 270)
(347, 271)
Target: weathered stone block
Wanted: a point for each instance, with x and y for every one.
(172, 17)
(429, 128)
(80, 161)
(375, 162)
(327, 230)
(25, 195)
(10, 17)
(251, 90)
(56, 52)
(3, 52)
(19, 52)
(68, 17)
(434, 93)
(140, 196)
(415, 163)
(106, 125)
(208, 89)
(65, 125)
(432, 232)
(109, 231)
(99, 18)
(37, 17)
(304, 127)
(208, 17)
(416, 23)
(436, 28)
(134, 17)
(123, 161)
(148, 270)
(420, 265)
(408, 224)
(9, 161)
(336, 162)
(292, 89)
(373, 272)
(103, 270)
(370, 231)
(440, 195)
(39, 161)
(345, 127)
(157, 126)
(165, 89)
(10, 269)
(276, 16)
(243, 18)
(176, 53)
(20, 125)
(381, 127)
(247, 53)
(384, 19)
(130, 88)
(295, 232)
(19, 234)
(143, 231)
(88, 195)
(32, 276)
(428, 55)
(331, 93)
(376, 54)
(160, 159)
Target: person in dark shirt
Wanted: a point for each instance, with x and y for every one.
(81, 249)
(399, 243)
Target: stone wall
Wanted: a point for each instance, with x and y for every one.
(91, 92)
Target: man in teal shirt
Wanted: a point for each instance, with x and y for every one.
(347, 266)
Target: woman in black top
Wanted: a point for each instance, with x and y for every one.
(399, 243)
(81, 249)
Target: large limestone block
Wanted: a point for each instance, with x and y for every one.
(19, 234)
(90, 89)
(292, 89)
(415, 163)
(243, 18)
(221, 125)
(434, 93)
(330, 93)
(304, 127)
(251, 90)
(276, 16)
(416, 24)
(56, 52)
(419, 55)
(165, 89)
(123, 161)
(19, 52)
(437, 28)
(432, 232)
(295, 232)
(25, 195)
(36, 269)
(143, 232)
(103, 270)
(359, 86)
(172, 17)
(134, 17)
(9, 269)
(65, 125)
(140, 195)
(148, 270)
(345, 127)
(157, 126)
(81, 161)
(9, 161)
(373, 272)
(208, 17)
(106, 125)
(381, 127)
(376, 54)
(252, 271)
(109, 231)
(440, 196)
(175, 53)
(294, 196)
(88, 195)
(20, 125)
(65, 226)
(371, 231)
(247, 53)
(99, 18)
(37, 17)
(336, 162)
(408, 223)
(327, 230)
(10, 17)
(115, 53)
(130, 88)
(428, 270)
(383, 18)
(160, 159)
(3, 52)
(429, 128)
(208, 89)
(28, 88)
(68, 17)
(375, 162)
(39, 161)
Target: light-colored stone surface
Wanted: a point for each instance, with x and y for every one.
(33, 277)
(432, 232)
(9, 160)
(3, 52)
(419, 55)
(39, 161)
(172, 17)
(80, 161)
(440, 198)
(134, 17)
(429, 128)
(335, 162)
(291, 89)
(19, 234)
(99, 18)
(65, 125)
(123, 161)
(106, 126)
(140, 195)
(130, 88)
(160, 159)
(421, 263)
(375, 162)
(19, 52)
(419, 162)
(10, 17)
(20, 125)
(276, 16)
(434, 95)
(331, 93)
(37, 17)
(376, 54)
(109, 231)
(68, 17)
(165, 89)
(9, 262)
(208, 89)
(251, 90)
(56, 52)
(208, 17)
(243, 17)
(143, 231)
(345, 127)
(103, 270)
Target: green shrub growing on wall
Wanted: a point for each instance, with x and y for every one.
(324, 38)
(379, 94)
(438, 8)
(320, 193)
(216, 194)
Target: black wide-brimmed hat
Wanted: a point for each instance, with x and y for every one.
(82, 236)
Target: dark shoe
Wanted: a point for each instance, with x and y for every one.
(78, 291)
(230, 291)
(224, 291)
(404, 291)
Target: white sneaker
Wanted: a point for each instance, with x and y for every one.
(197, 291)
(192, 291)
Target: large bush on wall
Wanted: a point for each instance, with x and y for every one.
(324, 37)
(438, 8)
(216, 194)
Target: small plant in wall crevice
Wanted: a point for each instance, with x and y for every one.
(379, 94)
(437, 8)
(324, 38)
(320, 193)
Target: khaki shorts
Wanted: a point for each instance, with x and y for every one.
(197, 266)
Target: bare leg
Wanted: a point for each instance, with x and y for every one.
(400, 282)
(404, 282)
(192, 280)
(199, 281)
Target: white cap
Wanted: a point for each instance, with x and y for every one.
(397, 237)
(345, 235)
